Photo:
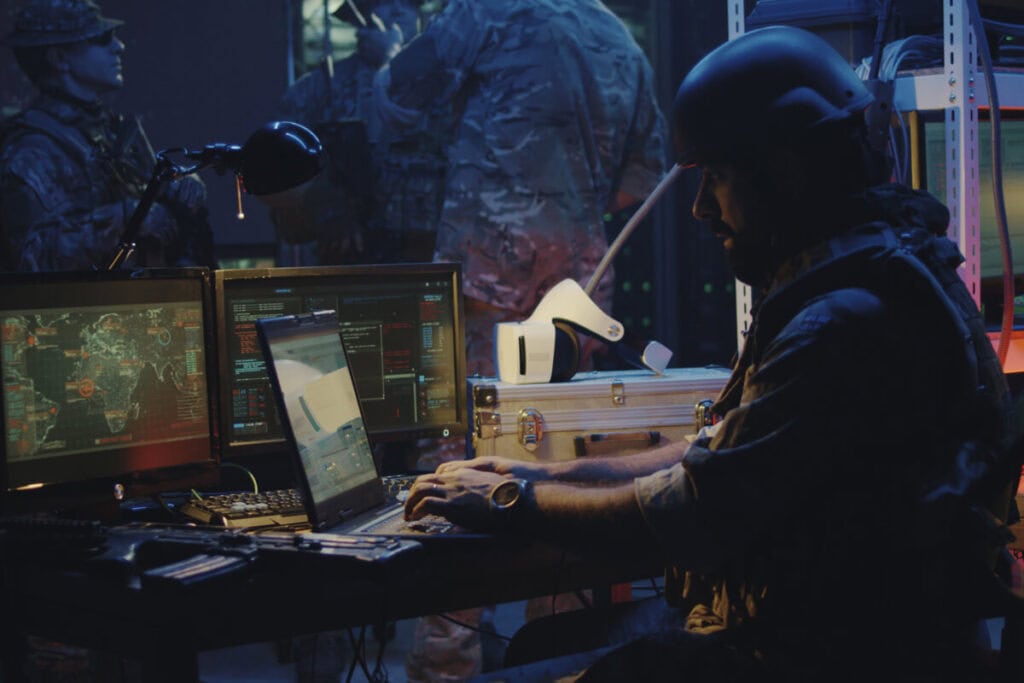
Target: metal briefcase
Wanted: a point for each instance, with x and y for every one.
(595, 413)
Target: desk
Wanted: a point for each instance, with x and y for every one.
(109, 610)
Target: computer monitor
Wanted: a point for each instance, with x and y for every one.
(105, 385)
(403, 330)
(932, 155)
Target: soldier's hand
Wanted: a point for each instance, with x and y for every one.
(187, 193)
(375, 46)
(158, 227)
(342, 246)
(462, 496)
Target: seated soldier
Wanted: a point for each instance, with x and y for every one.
(826, 528)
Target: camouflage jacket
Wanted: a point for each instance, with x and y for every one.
(402, 194)
(70, 177)
(556, 113)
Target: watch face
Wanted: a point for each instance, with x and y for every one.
(506, 493)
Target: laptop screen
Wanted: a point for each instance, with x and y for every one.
(313, 384)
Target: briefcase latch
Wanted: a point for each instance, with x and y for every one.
(618, 393)
(488, 424)
(531, 428)
(487, 420)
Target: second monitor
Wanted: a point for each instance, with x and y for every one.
(402, 328)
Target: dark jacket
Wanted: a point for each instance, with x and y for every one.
(812, 518)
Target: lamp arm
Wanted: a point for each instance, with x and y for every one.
(163, 171)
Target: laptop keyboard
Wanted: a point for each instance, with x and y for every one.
(397, 525)
(267, 508)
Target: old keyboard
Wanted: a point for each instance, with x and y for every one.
(281, 507)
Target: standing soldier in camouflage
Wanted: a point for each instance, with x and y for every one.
(390, 214)
(555, 123)
(71, 170)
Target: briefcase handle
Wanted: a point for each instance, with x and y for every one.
(596, 444)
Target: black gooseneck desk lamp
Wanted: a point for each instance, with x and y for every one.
(281, 157)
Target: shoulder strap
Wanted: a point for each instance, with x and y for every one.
(39, 121)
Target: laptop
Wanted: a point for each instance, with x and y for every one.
(325, 432)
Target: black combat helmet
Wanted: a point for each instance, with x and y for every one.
(766, 85)
(39, 23)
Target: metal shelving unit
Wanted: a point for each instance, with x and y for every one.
(955, 91)
(737, 19)
(959, 91)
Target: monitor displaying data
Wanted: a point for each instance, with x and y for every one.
(402, 329)
(1012, 153)
(105, 377)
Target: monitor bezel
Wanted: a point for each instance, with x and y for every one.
(112, 488)
(231, 450)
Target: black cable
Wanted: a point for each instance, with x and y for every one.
(359, 655)
(356, 652)
(883, 24)
(1004, 27)
(380, 672)
(312, 662)
(163, 504)
(1006, 329)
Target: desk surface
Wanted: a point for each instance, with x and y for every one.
(104, 605)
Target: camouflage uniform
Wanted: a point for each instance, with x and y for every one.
(72, 171)
(554, 113)
(557, 115)
(336, 210)
(388, 216)
(71, 174)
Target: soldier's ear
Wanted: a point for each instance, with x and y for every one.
(57, 58)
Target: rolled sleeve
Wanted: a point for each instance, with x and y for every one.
(664, 499)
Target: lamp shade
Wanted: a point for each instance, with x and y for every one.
(280, 156)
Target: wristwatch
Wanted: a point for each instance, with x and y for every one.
(506, 499)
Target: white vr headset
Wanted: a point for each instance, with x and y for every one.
(544, 347)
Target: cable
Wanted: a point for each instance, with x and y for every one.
(910, 52)
(352, 664)
(163, 504)
(927, 51)
(252, 477)
(883, 24)
(1006, 329)
(1004, 28)
(630, 226)
(380, 672)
